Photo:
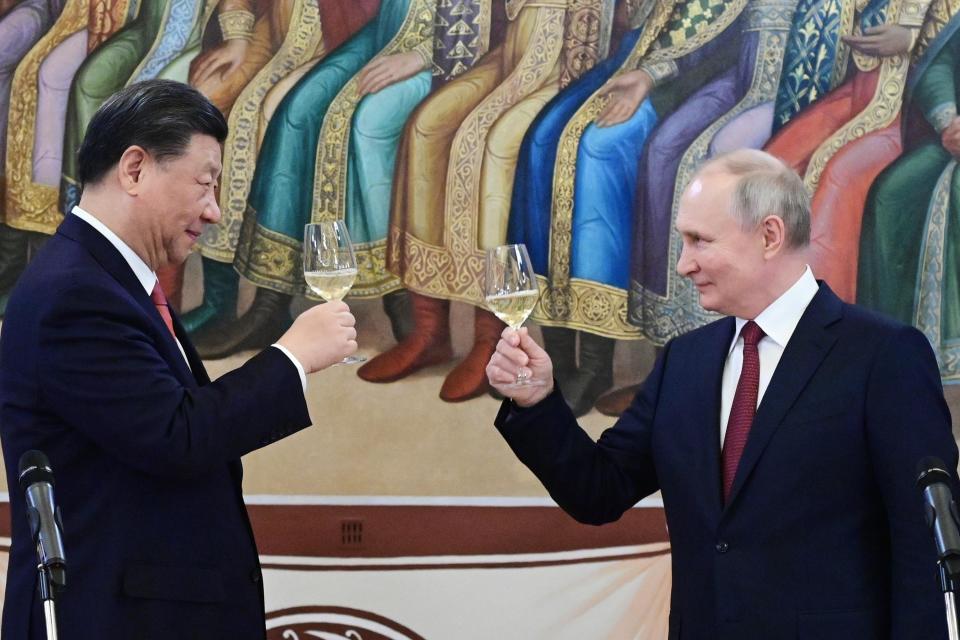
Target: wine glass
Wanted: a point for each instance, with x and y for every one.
(511, 291)
(329, 264)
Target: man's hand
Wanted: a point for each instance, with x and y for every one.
(950, 138)
(625, 94)
(517, 351)
(384, 71)
(321, 336)
(221, 61)
(885, 40)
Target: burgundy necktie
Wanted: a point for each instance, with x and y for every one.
(744, 405)
(160, 301)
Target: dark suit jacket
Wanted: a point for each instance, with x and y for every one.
(823, 536)
(145, 453)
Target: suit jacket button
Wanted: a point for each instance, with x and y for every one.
(722, 547)
(255, 575)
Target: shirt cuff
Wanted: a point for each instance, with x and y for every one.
(303, 375)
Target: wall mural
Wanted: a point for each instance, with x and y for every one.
(439, 128)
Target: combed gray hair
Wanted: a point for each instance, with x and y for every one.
(766, 186)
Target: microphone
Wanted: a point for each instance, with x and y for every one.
(934, 482)
(36, 481)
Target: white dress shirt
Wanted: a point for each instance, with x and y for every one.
(148, 278)
(778, 322)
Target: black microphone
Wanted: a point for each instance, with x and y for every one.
(934, 481)
(36, 481)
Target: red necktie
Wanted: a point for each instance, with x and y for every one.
(160, 301)
(744, 405)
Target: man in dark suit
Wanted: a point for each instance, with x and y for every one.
(97, 372)
(784, 439)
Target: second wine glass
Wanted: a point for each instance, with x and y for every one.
(511, 291)
(329, 264)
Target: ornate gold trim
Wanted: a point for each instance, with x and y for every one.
(462, 198)
(29, 208)
(928, 310)
(302, 42)
(938, 16)
(454, 270)
(330, 173)
(586, 37)
(585, 305)
(273, 261)
(236, 24)
(848, 11)
(880, 112)
(333, 148)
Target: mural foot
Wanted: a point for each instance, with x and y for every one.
(427, 344)
(220, 283)
(261, 326)
(616, 402)
(469, 378)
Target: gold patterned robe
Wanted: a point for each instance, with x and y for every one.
(30, 204)
(455, 166)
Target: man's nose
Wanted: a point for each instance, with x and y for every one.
(685, 264)
(211, 213)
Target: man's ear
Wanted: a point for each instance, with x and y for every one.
(130, 168)
(774, 235)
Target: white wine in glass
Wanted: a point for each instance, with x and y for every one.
(511, 290)
(329, 264)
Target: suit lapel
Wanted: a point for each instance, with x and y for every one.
(116, 265)
(707, 414)
(196, 364)
(809, 345)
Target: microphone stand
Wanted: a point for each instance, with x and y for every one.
(948, 585)
(49, 606)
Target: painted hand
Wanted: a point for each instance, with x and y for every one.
(219, 63)
(384, 71)
(885, 40)
(625, 93)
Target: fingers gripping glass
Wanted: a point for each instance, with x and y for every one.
(511, 291)
(329, 264)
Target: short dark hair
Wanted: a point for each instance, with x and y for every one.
(159, 115)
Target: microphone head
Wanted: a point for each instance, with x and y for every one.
(931, 470)
(34, 467)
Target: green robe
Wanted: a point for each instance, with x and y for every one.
(132, 54)
(909, 264)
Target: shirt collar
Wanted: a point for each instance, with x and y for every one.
(144, 274)
(779, 320)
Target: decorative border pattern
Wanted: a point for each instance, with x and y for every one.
(106, 18)
(31, 207)
(302, 43)
(330, 168)
(455, 271)
(176, 30)
(586, 38)
(880, 112)
(273, 261)
(928, 303)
